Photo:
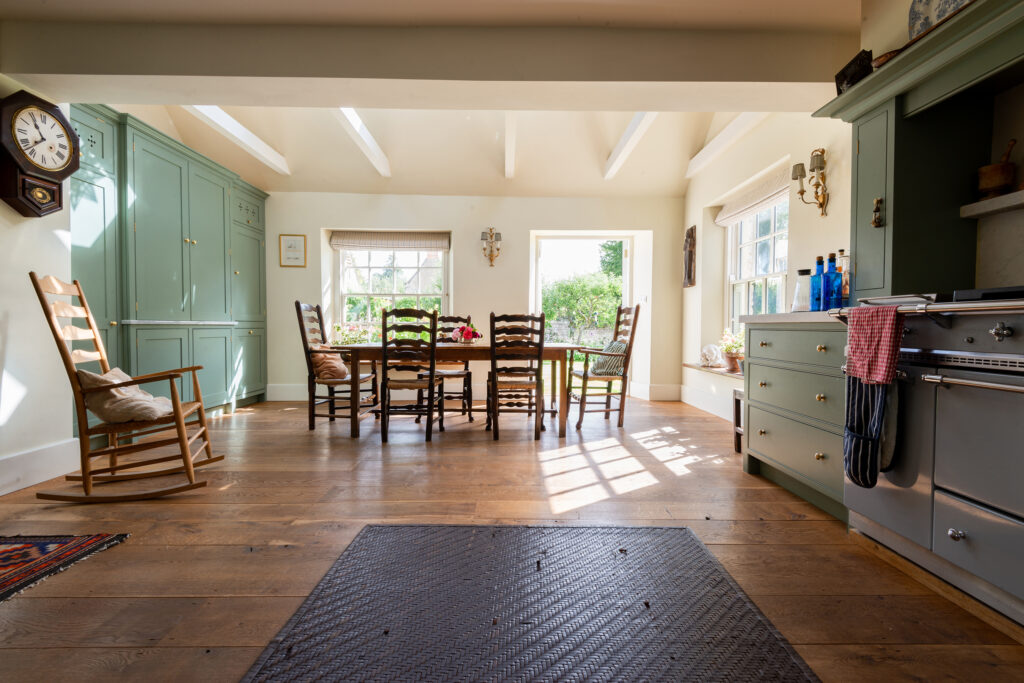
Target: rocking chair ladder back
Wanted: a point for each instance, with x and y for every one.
(118, 470)
(315, 341)
(410, 362)
(624, 333)
(516, 381)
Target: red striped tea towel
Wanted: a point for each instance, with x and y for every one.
(875, 335)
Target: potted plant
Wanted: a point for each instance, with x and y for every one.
(732, 349)
(465, 334)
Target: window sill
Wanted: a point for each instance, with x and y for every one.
(714, 371)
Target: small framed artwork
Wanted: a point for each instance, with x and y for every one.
(293, 251)
(690, 257)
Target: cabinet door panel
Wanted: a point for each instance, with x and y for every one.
(158, 195)
(211, 348)
(94, 255)
(208, 256)
(161, 349)
(872, 178)
(247, 264)
(249, 364)
(95, 140)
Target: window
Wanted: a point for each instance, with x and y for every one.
(758, 251)
(376, 279)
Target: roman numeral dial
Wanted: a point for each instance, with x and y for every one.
(41, 138)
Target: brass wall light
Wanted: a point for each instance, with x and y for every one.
(492, 244)
(817, 180)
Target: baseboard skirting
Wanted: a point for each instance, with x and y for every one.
(720, 406)
(28, 468)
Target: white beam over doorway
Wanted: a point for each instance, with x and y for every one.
(229, 127)
(641, 121)
(357, 130)
(511, 125)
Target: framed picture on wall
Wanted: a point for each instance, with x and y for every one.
(690, 257)
(293, 251)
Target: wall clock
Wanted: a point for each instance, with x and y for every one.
(38, 150)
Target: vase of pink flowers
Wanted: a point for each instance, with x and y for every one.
(465, 334)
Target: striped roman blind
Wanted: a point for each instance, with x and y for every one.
(390, 239)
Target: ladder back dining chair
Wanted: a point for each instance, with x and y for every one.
(453, 370)
(409, 361)
(515, 383)
(611, 365)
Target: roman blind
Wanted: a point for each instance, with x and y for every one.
(772, 186)
(390, 239)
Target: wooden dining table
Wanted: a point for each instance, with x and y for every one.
(558, 354)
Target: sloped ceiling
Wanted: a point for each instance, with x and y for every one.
(446, 152)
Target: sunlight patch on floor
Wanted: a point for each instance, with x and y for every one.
(564, 502)
(632, 482)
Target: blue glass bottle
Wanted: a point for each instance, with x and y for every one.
(819, 271)
(831, 286)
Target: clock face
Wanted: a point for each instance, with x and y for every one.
(41, 138)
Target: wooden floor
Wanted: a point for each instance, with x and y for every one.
(208, 577)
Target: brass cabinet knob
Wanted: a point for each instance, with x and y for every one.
(819, 397)
(761, 432)
(762, 384)
(250, 331)
(762, 344)
(956, 534)
(236, 272)
(186, 240)
(822, 348)
(819, 456)
(113, 323)
(248, 220)
(193, 241)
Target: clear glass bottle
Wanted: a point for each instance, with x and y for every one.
(843, 266)
(819, 270)
(802, 291)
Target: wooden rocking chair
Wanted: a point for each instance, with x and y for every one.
(121, 436)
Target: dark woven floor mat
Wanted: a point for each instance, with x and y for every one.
(476, 603)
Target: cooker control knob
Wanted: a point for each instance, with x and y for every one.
(1001, 331)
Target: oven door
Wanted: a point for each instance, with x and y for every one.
(979, 436)
(902, 499)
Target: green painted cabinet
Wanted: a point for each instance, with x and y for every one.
(212, 348)
(209, 247)
(248, 265)
(158, 258)
(158, 349)
(249, 363)
(871, 199)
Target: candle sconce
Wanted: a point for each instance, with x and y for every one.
(817, 181)
(492, 244)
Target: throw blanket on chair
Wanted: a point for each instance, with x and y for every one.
(875, 335)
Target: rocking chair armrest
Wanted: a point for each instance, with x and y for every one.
(179, 371)
(142, 379)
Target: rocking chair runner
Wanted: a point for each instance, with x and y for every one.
(616, 369)
(118, 470)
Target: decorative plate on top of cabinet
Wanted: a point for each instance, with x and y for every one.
(927, 14)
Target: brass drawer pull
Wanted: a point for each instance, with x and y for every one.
(250, 331)
(236, 272)
(819, 456)
(822, 348)
(819, 397)
(113, 323)
(762, 344)
(193, 242)
(186, 240)
(762, 384)
(761, 432)
(956, 535)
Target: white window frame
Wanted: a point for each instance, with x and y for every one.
(342, 317)
(733, 266)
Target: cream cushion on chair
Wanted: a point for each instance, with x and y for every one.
(328, 365)
(123, 404)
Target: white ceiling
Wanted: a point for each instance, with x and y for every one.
(841, 15)
(446, 152)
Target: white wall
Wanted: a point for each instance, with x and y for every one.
(884, 25)
(477, 289)
(35, 397)
(781, 139)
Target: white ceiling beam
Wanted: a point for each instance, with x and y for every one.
(356, 129)
(510, 144)
(229, 127)
(642, 120)
(733, 131)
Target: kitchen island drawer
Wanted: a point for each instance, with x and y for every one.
(980, 540)
(806, 393)
(813, 455)
(815, 347)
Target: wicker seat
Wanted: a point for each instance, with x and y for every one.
(314, 338)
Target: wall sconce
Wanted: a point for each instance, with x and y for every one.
(492, 244)
(817, 180)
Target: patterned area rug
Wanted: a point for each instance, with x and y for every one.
(25, 560)
(473, 603)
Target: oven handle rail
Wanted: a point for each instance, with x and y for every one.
(931, 309)
(942, 379)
